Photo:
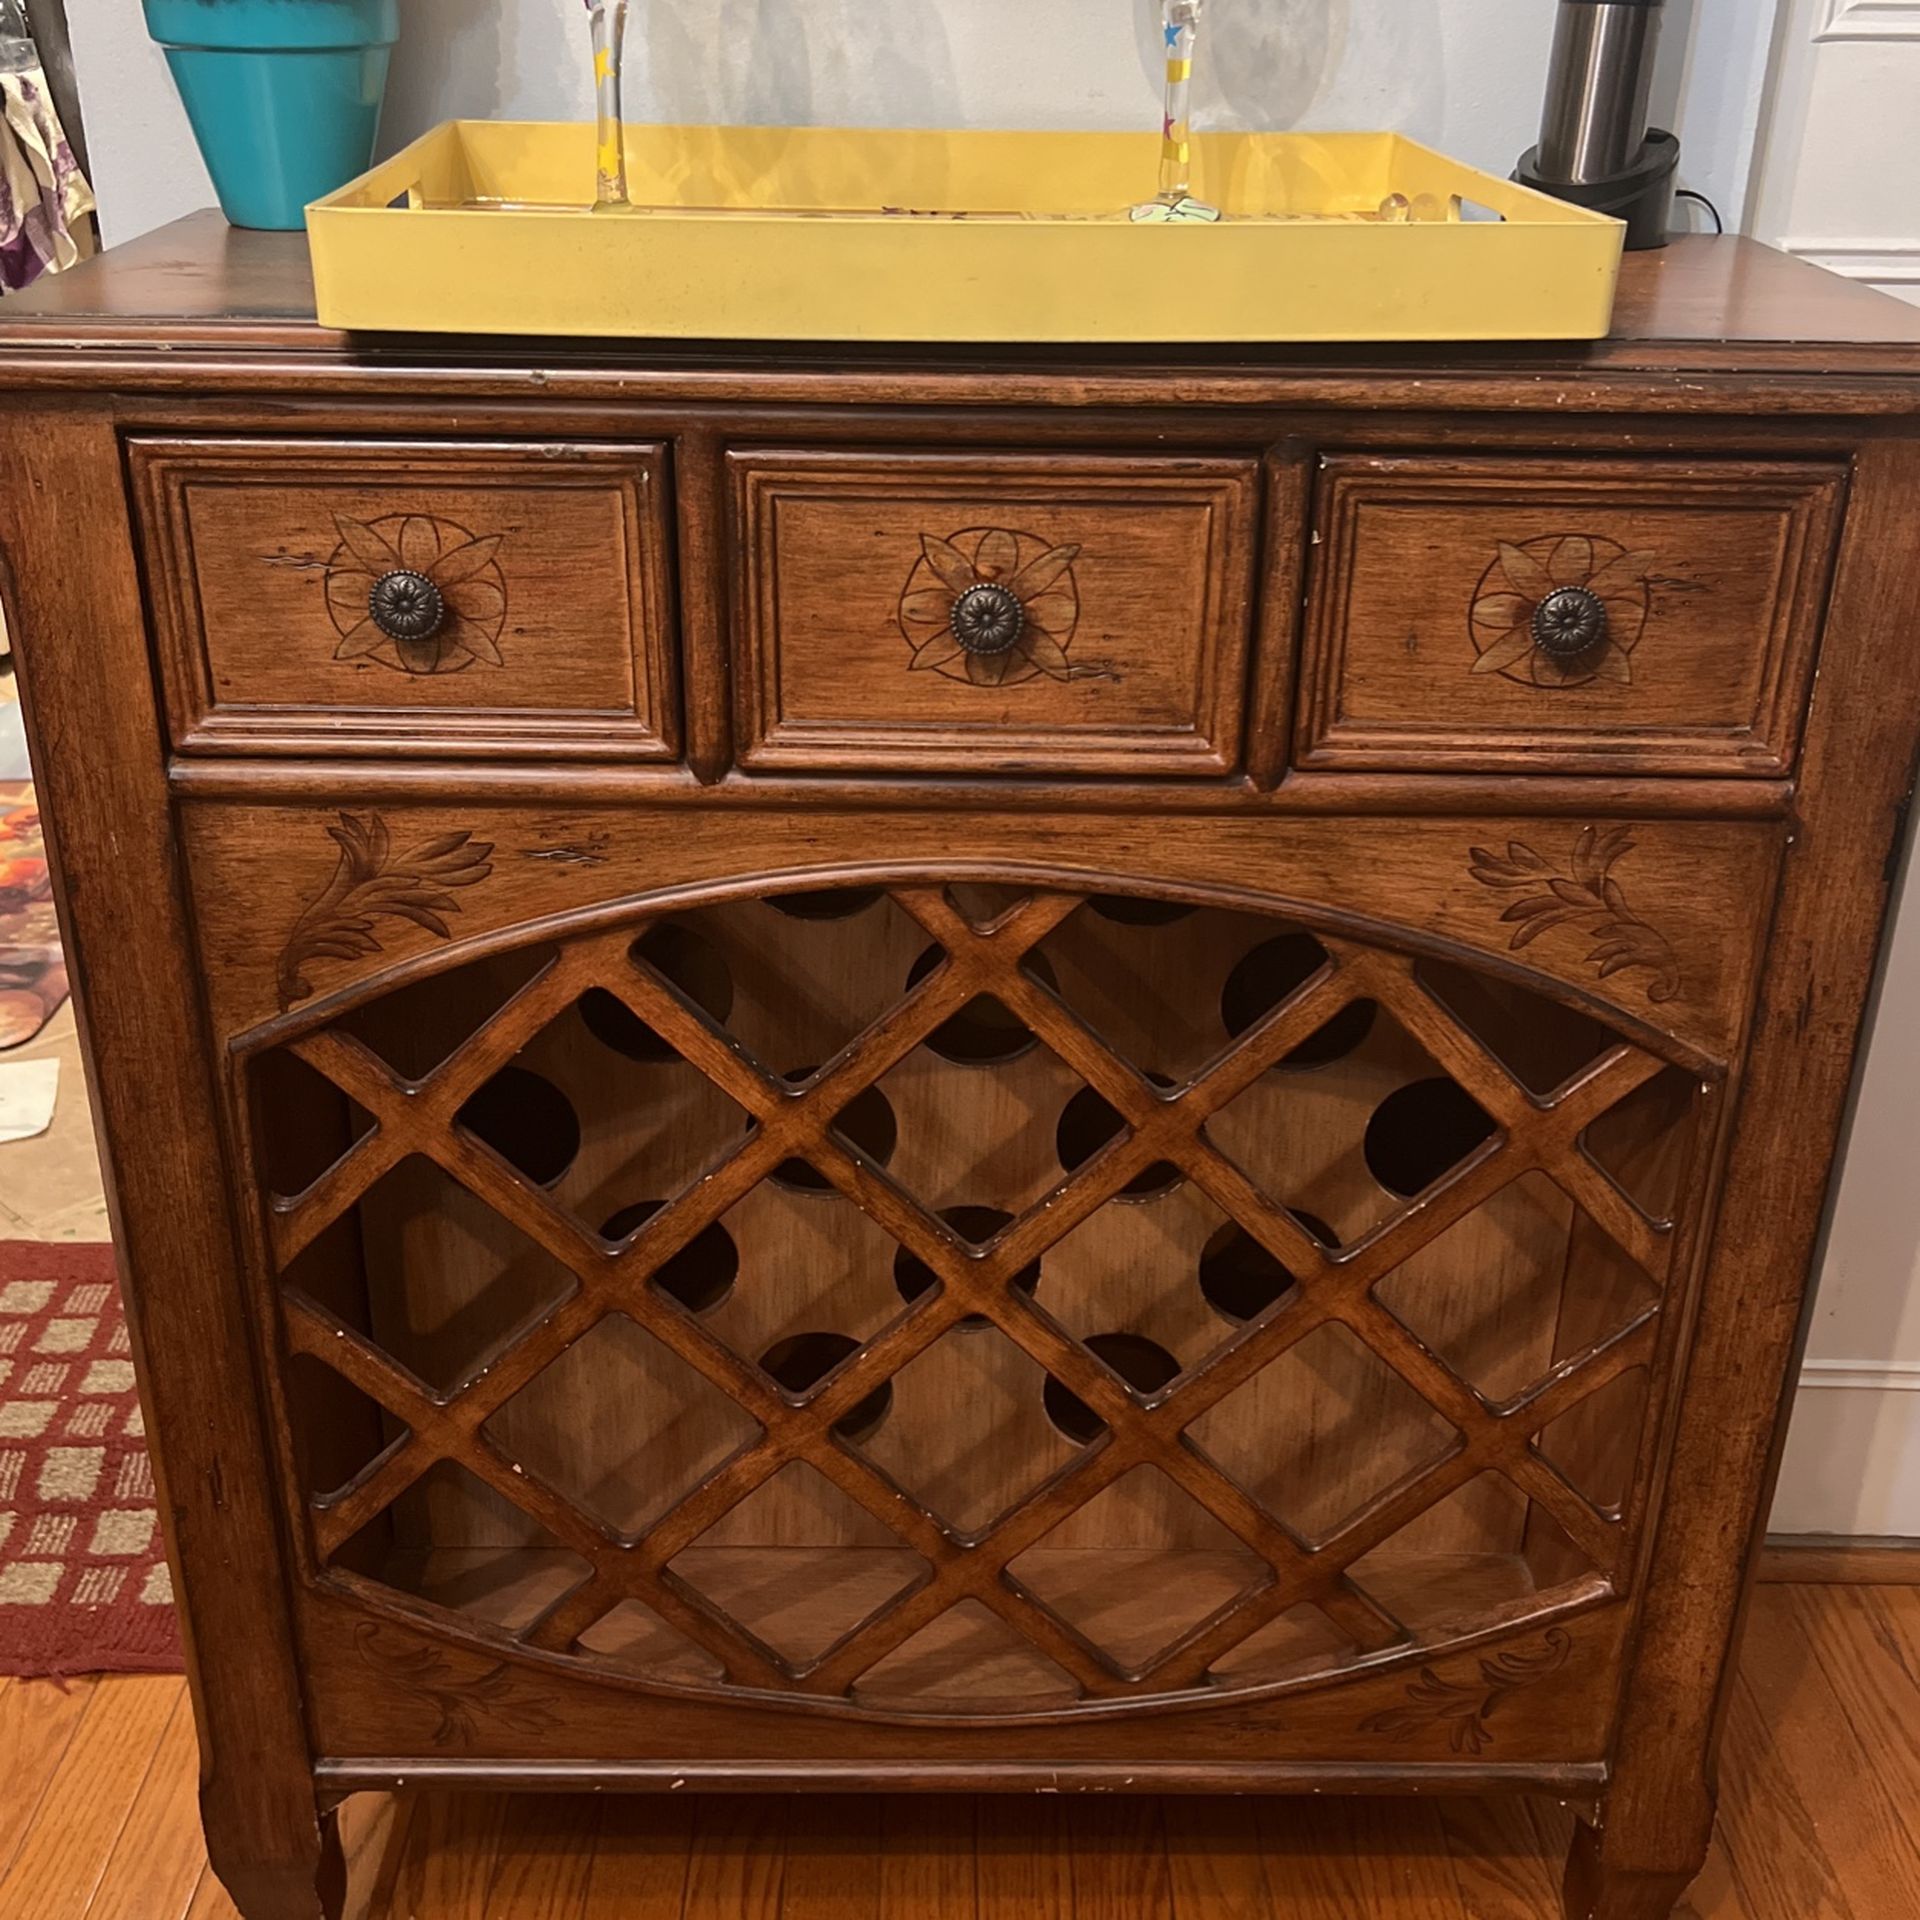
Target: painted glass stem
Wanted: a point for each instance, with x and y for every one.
(609, 22)
(1180, 26)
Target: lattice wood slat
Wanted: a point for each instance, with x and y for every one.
(1332, 1287)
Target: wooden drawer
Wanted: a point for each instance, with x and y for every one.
(1643, 616)
(1104, 605)
(441, 598)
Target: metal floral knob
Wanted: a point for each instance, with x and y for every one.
(1569, 623)
(988, 618)
(406, 605)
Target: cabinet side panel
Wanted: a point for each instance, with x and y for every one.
(1839, 872)
(74, 603)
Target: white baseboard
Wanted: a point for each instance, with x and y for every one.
(1853, 1452)
(1874, 1376)
(1891, 265)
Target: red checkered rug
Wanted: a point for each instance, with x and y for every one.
(83, 1577)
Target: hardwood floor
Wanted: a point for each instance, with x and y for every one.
(1820, 1821)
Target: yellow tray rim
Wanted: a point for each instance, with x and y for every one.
(1546, 271)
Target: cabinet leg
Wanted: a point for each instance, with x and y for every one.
(1600, 1888)
(330, 1877)
(275, 1893)
(311, 1889)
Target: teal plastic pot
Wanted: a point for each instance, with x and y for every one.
(284, 95)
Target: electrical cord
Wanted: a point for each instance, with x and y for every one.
(1687, 193)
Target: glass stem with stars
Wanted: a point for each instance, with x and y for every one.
(608, 19)
(1180, 28)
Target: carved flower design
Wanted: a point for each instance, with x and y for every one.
(1561, 611)
(991, 607)
(417, 594)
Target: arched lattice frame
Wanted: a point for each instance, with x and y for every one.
(417, 1117)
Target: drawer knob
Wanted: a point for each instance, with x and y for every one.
(406, 605)
(1569, 623)
(988, 618)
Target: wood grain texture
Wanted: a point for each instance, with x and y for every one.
(956, 1426)
(1216, 1861)
(1505, 1857)
(1697, 883)
(157, 1861)
(1341, 1857)
(451, 1858)
(1826, 1559)
(1835, 1675)
(121, 923)
(97, 1786)
(1853, 1644)
(834, 1859)
(1780, 1865)
(1124, 588)
(642, 1857)
(1708, 581)
(927, 1856)
(1754, 1295)
(1548, 1597)
(1409, 796)
(738, 1861)
(1443, 1554)
(1833, 1757)
(37, 1723)
(1702, 303)
(545, 1861)
(550, 565)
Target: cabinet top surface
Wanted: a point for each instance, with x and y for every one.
(205, 288)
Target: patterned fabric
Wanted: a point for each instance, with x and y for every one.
(33, 978)
(45, 202)
(83, 1575)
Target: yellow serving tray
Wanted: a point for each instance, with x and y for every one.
(813, 233)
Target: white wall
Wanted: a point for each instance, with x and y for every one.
(1837, 180)
(1853, 1453)
(1463, 74)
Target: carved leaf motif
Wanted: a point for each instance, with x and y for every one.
(1038, 604)
(1049, 655)
(371, 884)
(462, 1703)
(954, 568)
(1586, 895)
(1038, 575)
(462, 562)
(481, 645)
(362, 640)
(1466, 1707)
(375, 554)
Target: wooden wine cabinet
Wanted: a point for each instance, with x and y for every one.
(845, 1068)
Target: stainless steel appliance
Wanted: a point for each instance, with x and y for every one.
(1596, 148)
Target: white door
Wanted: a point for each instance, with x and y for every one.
(1837, 173)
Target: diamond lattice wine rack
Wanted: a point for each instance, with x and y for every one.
(963, 1301)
